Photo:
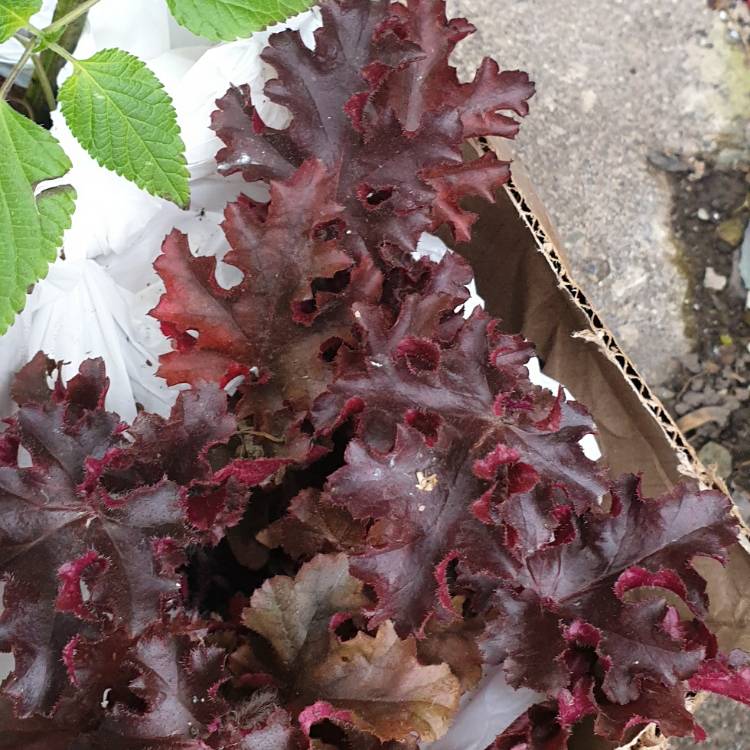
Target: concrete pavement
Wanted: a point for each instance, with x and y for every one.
(616, 81)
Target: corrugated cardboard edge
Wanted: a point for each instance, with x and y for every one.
(532, 212)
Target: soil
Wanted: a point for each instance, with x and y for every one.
(708, 204)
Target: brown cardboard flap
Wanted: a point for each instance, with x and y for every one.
(728, 594)
(523, 277)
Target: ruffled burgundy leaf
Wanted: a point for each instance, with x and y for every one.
(179, 446)
(272, 329)
(88, 529)
(474, 380)
(524, 636)
(578, 584)
(420, 497)
(664, 706)
(35, 733)
(727, 675)
(312, 525)
(538, 729)
(358, 99)
(56, 538)
(486, 105)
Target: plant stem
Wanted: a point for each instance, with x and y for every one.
(52, 63)
(17, 68)
(33, 30)
(61, 23)
(41, 76)
(62, 52)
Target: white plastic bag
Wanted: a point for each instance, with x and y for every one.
(485, 713)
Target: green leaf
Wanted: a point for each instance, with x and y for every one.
(227, 20)
(15, 14)
(121, 114)
(31, 226)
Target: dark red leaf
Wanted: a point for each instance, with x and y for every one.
(538, 729)
(528, 640)
(577, 703)
(479, 386)
(577, 582)
(726, 675)
(656, 703)
(83, 528)
(313, 525)
(258, 325)
(346, 98)
(421, 497)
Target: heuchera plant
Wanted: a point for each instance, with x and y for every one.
(385, 507)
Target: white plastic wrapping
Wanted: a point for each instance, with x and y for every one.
(486, 713)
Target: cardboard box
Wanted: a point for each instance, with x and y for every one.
(523, 276)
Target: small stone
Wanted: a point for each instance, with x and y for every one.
(703, 214)
(588, 100)
(731, 403)
(681, 409)
(699, 166)
(731, 231)
(742, 394)
(693, 399)
(692, 363)
(713, 454)
(667, 162)
(711, 398)
(598, 269)
(716, 282)
(712, 368)
(698, 384)
(727, 353)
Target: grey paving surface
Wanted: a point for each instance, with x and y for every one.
(617, 80)
(728, 727)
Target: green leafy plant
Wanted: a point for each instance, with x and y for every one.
(31, 226)
(230, 19)
(15, 14)
(122, 116)
(114, 106)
